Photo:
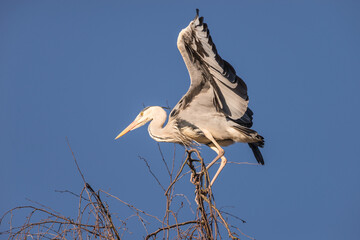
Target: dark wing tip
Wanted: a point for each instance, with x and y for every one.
(197, 12)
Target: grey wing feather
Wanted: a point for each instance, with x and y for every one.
(206, 67)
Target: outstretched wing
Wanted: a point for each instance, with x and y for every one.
(207, 69)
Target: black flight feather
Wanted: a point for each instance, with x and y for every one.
(254, 147)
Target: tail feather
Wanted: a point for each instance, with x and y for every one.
(255, 148)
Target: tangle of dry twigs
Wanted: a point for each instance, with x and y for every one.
(95, 220)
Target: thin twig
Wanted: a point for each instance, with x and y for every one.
(147, 164)
(77, 165)
(169, 227)
(67, 191)
(243, 163)
(163, 159)
(131, 206)
(176, 178)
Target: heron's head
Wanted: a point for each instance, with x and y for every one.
(141, 119)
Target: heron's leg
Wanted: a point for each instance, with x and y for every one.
(222, 165)
(216, 147)
(215, 159)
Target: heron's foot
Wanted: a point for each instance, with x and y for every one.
(205, 191)
(201, 194)
(195, 177)
(196, 197)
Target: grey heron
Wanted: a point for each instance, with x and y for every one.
(214, 111)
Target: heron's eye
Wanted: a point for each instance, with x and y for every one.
(141, 114)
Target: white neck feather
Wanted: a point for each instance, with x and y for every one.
(156, 128)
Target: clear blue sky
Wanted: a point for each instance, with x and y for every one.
(84, 69)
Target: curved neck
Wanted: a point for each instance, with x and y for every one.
(156, 128)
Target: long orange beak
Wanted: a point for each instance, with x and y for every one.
(128, 129)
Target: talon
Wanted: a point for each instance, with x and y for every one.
(205, 191)
(194, 178)
(196, 197)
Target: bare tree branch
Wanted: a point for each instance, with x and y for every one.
(95, 220)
